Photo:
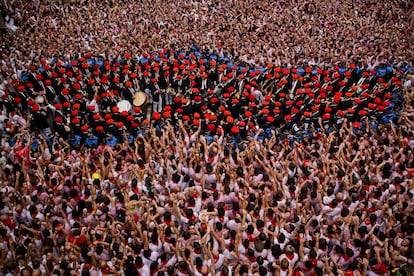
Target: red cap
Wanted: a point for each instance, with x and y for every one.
(326, 116)
(235, 130)
(211, 127)
(166, 114)
(156, 116)
(75, 120)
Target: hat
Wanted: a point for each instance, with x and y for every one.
(166, 114)
(31, 102)
(156, 116)
(132, 206)
(235, 130)
(75, 121)
(211, 127)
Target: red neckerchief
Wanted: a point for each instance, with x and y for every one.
(106, 270)
(251, 237)
(290, 256)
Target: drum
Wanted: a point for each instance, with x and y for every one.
(39, 99)
(140, 98)
(124, 106)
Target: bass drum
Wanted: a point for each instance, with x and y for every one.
(124, 106)
(140, 99)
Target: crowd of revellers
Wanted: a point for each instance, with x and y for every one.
(207, 138)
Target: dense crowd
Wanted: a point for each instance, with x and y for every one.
(206, 138)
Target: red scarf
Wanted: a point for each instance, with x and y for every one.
(290, 256)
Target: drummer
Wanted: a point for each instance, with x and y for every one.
(169, 94)
(127, 91)
(157, 95)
